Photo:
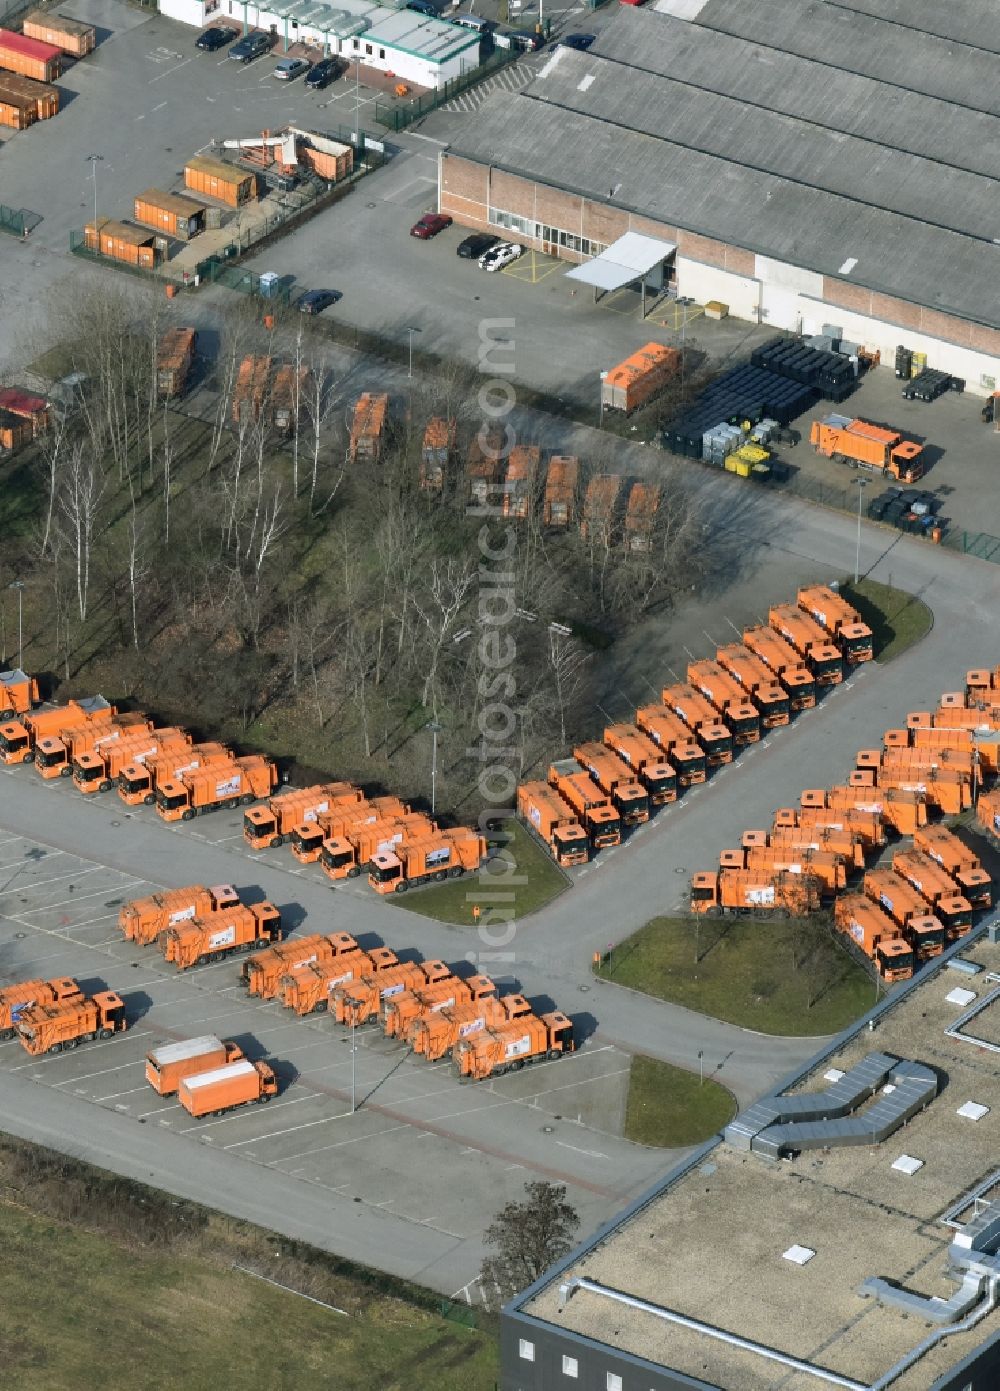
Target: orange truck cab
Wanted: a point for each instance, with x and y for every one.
(51, 1028)
(908, 909)
(18, 693)
(143, 919)
(433, 1035)
(442, 855)
(674, 740)
(25, 994)
(758, 681)
(938, 890)
(810, 641)
(841, 620)
(614, 776)
(702, 719)
(54, 754)
(510, 1046)
(344, 857)
(272, 823)
(541, 808)
(262, 973)
(875, 933)
(19, 737)
(963, 865)
(590, 803)
(643, 756)
(168, 1066)
(97, 769)
(224, 1088)
(220, 934)
(201, 790)
(782, 659)
(137, 782)
(306, 837)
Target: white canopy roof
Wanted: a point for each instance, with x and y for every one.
(632, 257)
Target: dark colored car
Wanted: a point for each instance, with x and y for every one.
(578, 41)
(429, 225)
(215, 38)
(326, 70)
(315, 301)
(473, 247)
(423, 7)
(251, 46)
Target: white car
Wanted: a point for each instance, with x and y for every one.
(500, 255)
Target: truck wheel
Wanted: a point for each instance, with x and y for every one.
(441, 874)
(456, 872)
(6, 714)
(29, 758)
(72, 1042)
(263, 1099)
(275, 842)
(89, 1038)
(105, 786)
(554, 1053)
(319, 1008)
(353, 872)
(105, 1033)
(401, 887)
(66, 771)
(56, 1048)
(187, 814)
(247, 798)
(149, 799)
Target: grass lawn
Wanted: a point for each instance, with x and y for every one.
(670, 1106)
(897, 619)
(536, 880)
(79, 1312)
(791, 977)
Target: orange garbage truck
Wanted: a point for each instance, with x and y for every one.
(359, 1000)
(520, 481)
(946, 729)
(97, 769)
(138, 782)
(143, 919)
(223, 786)
(553, 821)
(263, 972)
(758, 681)
(399, 1012)
(272, 823)
(729, 699)
(18, 737)
(614, 776)
(766, 895)
(835, 840)
(874, 932)
(431, 1036)
(220, 934)
(18, 693)
(346, 856)
(810, 641)
(988, 815)
(863, 445)
(642, 513)
(702, 719)
(908, 909)
(168, 1066)
(512, 1045)
(441, 855)
(67, 1023)
(949, 791)
(225, 1088)
(826, 869)
(901, 808)
(592, 805)
(938, 890)
(963, 865)
(436, 453)
(310, 989)
(368, 427)
(867, 826)
(639, 378)
(983, 683)
(602, 506)
(674, 740)
(562, 483)
(306, 837)
(642, 754)
(778, 654)
(841, 620)
(26, 994)
(55, 754)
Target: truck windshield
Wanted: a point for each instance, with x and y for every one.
(13, 743)
(255, 829)
(903, 962)
(932, 938)
(664, 782)
(573, 840)
(636, 803)
(48, 758)
(336, 859)
(778, 705)
(743, 724)
(857, 644)
(692, 763)
(305, 840)
(171, 801)
(805, 690)
(86, 774)
(139, 783)
(719, 743)
(824, 666)
(702, 894)
(384, 874)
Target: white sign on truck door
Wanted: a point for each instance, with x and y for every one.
(229, 787)
(225, 937)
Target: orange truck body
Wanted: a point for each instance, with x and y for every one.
(674, 740)
(26, 994)
(980, 684)
(702, 719)
(781, 658)
(944, 731)
(202, 790)
(758, 681)
(562, 482)
(826, 868)
(220, 934)
(224, 1088)
(54, 757)
(143, 919)
(943, 788)
(641, 512)
(614, 776)
(875, 933)
(272, 823)
(638, 379)
(988, 814)
(901, 808)
(167, 1067)
(922, 757)
(344, 857)
(601, 508)
(262, 973)
(18, 737)
(964, 866)
(841, 620)
(138, 782)
(97, 769)
(174, 356)
(436, 453)
(523, 465)
(64, 1024)
(509, 1046)
(441, 855)
(18, 693)
(590, 803)
(484, 464)
(867, 826)
(908, 909)
(309, 989)
(360, 1000)
(643, 755)
(289, 391)
(400, 1012)
(250, 391)
(306, 837)
(838, 841)
(541, 808)
(433, 1035)
(728, 697)
(741, 891)
(937, 888)
(368, 426)
(868, 446)
(810, 641)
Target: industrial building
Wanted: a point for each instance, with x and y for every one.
(844, 1231)
(802, 162)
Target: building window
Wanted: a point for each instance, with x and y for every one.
(356, 45)
(368, 49)
(569, 1366)
(526, 1350)
(614, 1382)
(381, 53)
(513, 222)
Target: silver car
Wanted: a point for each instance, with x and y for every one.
(287, 69)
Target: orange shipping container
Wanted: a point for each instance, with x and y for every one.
(122, 242)
(638, 379)
(170, 213)
(25, 100)
(29, 57)
(216, 179)
(73, 36)
(332, 164)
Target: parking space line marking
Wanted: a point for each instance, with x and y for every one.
(86, 1077)
(592, 1154)
(295, 1101)
(115, 1095)
(307, 1125)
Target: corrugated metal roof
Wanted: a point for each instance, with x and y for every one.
(31, 48)
(972, 22)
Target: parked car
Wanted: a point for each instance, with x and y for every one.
(288, 69)
(579, 41)
(475, 246)
(251, 46)
(503, 254)
(423, 7)
(429, 225)
(215, 38)
(315, 301)
(326, 70)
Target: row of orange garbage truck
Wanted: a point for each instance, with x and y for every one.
(589, 800)
(920, 896)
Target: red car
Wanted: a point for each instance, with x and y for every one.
(429, 225)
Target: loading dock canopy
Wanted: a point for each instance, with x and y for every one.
(632, 257)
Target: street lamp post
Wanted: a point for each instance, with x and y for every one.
(435, 730)
(354, 1069)
(701, 1068)
(600, 419)
(862, 484)
(19, 586)
(409, 368)
(94, 161)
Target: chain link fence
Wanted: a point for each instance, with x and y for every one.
(396, 116)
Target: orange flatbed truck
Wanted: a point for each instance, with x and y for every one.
(964, 866)
(25, 994)
(938, 890)
(540, 807)
(441, 855)
(590, 804)
(908, 909)
(359, 1000)
(18, 693)
(97, 769)
(614, 776)
(863, 445)
(643, 755)
(841, 620)
(758, 681)
(67, 1023)
(398, 1012)
(200, 790)
(810, 641)
(703, 721)
(868, 826)
(18, 737)
(224, 1088)
(220, 934)
(346, 856)
(781, 658)
(262, 973)
(143, 919)
(874, 932)
(272, 823)
(138, 782)
(168, 1066)
(513, 1045)
(764, 894)
(675, 741)
(433, 1035)
(310, 989)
